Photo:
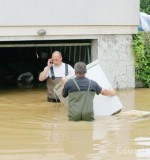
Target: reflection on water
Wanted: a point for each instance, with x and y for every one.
(34, 129)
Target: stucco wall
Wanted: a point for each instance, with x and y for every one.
(116, 58)
(68, 12)
(66, 19)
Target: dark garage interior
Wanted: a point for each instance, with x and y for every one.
(22, 61)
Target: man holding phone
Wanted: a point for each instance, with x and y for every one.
(54, 72)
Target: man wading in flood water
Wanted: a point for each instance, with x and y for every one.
(81, 92)
(54, 72)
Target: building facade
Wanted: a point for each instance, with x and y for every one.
(83, 30)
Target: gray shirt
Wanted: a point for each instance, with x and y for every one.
(83, 84)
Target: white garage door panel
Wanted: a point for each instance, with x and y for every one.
(103, 105)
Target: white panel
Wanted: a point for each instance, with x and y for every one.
(135, 114)
(69, 12)
(103, 105)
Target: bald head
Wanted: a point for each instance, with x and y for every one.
(57, 58)
(56, 53)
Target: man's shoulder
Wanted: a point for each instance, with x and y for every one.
(69, 83)
(67, 64)
(94, 82)
(70, 80)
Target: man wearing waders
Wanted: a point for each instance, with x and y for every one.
(54, 72)
(81, 92)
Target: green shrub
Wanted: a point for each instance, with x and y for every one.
(145, 6)
(141, 48)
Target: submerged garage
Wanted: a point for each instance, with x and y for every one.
(21, 62)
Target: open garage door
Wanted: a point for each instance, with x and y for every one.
(21, 62)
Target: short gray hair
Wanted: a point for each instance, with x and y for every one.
(80, 68)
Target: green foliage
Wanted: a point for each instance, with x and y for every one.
(141, 47)
(145, 6)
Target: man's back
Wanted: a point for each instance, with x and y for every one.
(81, 93)
(83, 83)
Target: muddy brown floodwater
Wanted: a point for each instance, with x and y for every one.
(33, 129)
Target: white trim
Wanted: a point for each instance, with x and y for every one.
(62, 32)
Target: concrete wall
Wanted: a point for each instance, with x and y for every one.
(116, 58)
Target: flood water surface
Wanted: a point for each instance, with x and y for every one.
(33, 129)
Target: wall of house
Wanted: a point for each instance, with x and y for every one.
(117, 60)
(68, 12)
(61, 19)
(109, 24)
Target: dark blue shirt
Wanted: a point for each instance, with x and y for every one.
(83, 83)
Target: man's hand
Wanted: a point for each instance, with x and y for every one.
(49, 62)
(109, 92)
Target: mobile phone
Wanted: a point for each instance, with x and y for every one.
(51, 61)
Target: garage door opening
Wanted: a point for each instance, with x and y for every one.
(21, 62)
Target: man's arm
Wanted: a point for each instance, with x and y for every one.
(64, 92)
(65, 88)
(106, 92)
(44, 73)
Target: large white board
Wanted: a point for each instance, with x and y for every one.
(103, 105)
